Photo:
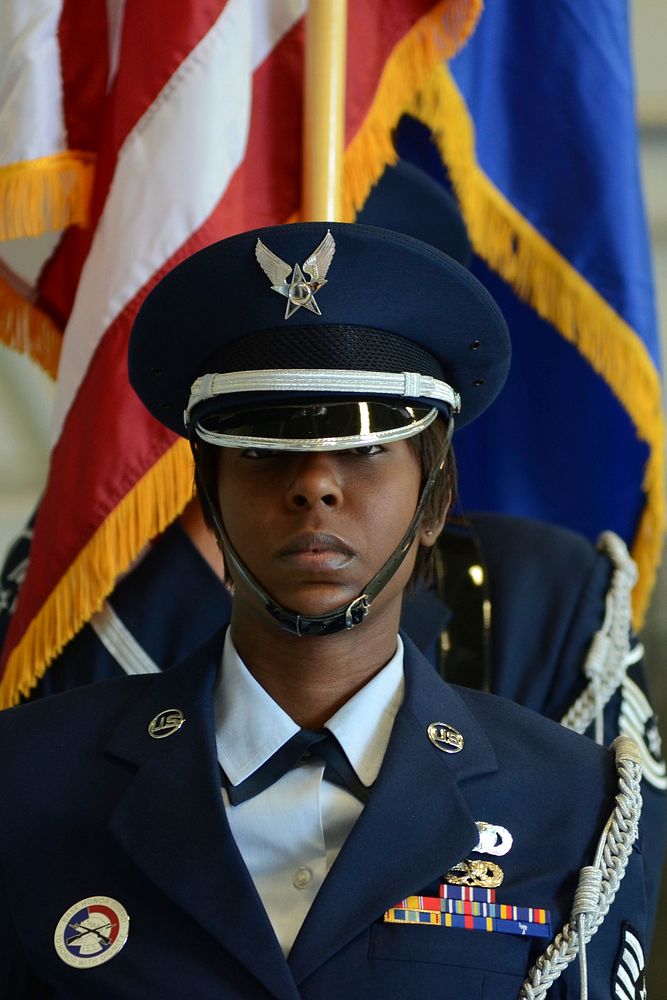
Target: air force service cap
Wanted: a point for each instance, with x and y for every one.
(317, 336)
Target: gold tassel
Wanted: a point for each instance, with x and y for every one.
(28, 330)
(149, 507)
(37, 196)
(544, 279)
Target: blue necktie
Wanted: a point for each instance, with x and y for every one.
(306, 742)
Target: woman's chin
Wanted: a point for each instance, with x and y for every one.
(312, 600)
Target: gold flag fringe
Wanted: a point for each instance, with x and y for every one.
(27, 329)
(149, 507)
(52, 192)
(437, 35)
(542, 277)
(162, 493)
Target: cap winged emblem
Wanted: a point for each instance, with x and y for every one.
(298, 292)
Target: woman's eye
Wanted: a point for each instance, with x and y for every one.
(259, 452)
(367, 449)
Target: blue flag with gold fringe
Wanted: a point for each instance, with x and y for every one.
(535, 125)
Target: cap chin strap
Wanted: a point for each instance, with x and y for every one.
(348, 615)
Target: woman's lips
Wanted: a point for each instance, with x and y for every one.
(317, 550)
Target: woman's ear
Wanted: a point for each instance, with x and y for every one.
(428, 536)
(430, 532)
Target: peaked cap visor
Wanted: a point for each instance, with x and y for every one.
(324, 425)
(389, 304)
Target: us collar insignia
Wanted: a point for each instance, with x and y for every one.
(166, 723)
(445, 737)
(91, 932)
(298, 292)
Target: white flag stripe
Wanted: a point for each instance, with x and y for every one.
(115, 15)
(270, 22)
(197, 127)
(31, 112)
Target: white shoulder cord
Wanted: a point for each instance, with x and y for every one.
(608, 655)
(598, 883)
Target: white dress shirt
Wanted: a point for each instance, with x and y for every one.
(290, 834)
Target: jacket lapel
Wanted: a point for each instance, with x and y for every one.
(415, 826)
(171, 820)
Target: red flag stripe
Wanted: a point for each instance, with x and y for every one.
(145, 69)
(152, 209)
(84, 70)
(141, 73)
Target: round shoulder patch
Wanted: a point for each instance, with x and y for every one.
(91, 932)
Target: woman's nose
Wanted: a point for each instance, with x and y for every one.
(314, 481)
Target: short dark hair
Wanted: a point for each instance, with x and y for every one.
(427, 446)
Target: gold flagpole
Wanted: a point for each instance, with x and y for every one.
(324, 110)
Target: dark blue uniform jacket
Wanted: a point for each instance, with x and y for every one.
(546, 585)
(92, 805)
